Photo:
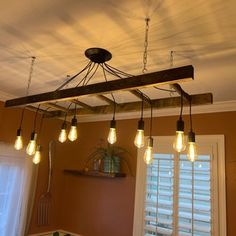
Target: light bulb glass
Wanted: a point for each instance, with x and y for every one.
(139, 138)
(63, 136)
(18, 143)
(148, 155)
(192, 151)
(112, 136)
(179, 142)
(31, 147)
(37, 157)
(73, 134)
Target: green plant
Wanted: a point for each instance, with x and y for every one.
(107, 157)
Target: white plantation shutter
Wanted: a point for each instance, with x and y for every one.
(177, 197)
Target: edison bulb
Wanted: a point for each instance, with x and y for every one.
(31, 148)
(37, 155)
(179, 143)
(112, 136)
(73, 134)
(192, 151)
(139, 138)
(18, 143)
(63, 136)
(148, 155)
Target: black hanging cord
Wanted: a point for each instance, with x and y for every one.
(35, 117)
(181, 106)
(75, 111)
(142, 106)
(73, 77)
(22, 117)
(190, 114)
(92, 74)
(150, 132)
(114, 101)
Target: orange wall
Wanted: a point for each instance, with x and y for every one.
(103, 207)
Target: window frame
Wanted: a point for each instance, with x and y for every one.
(217, 146)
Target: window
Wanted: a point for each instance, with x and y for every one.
(15, 179)
(177, 197)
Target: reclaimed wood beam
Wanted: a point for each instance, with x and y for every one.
(41, 111)
(84, 105)
(105, 99)
(139, 95)
(171, 102)
(172, 75)
(56, 106)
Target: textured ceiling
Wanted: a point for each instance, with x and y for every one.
(57, 32)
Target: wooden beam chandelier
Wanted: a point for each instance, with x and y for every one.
(98, 59)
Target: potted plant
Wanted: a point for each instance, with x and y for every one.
(107, 158)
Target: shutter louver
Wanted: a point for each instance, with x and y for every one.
(193, 197)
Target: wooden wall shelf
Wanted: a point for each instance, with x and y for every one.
(93, 173)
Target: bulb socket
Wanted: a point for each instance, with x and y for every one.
(74, 122)
(141, 124)
(113, 124)
(33, 136)
(18, 132)
(150, 142)
(180, 125)
(191, 137)
(64, 126)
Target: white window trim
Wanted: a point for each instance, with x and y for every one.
(218, 148)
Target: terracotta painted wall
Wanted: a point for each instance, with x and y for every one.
(104, 207)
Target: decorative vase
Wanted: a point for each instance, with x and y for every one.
(111, 164)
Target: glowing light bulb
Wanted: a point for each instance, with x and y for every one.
(192, 151)
(112, 133)
(63, 135)
(73, 134)
(31, 147)
(37, 155)
(139, 138)
(148, 155)
(179, 142)
(192, 147)
(19, 141)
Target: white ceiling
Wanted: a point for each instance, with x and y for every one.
(57, 32)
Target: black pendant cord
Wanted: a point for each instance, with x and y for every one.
(22, 117)
(41, 127)
(142, 107)
(150, 131)
(91, 76)
(75, 111)
(190, 115)
(181, 106)
(35, 118)
(113, 98)
(73, 77)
